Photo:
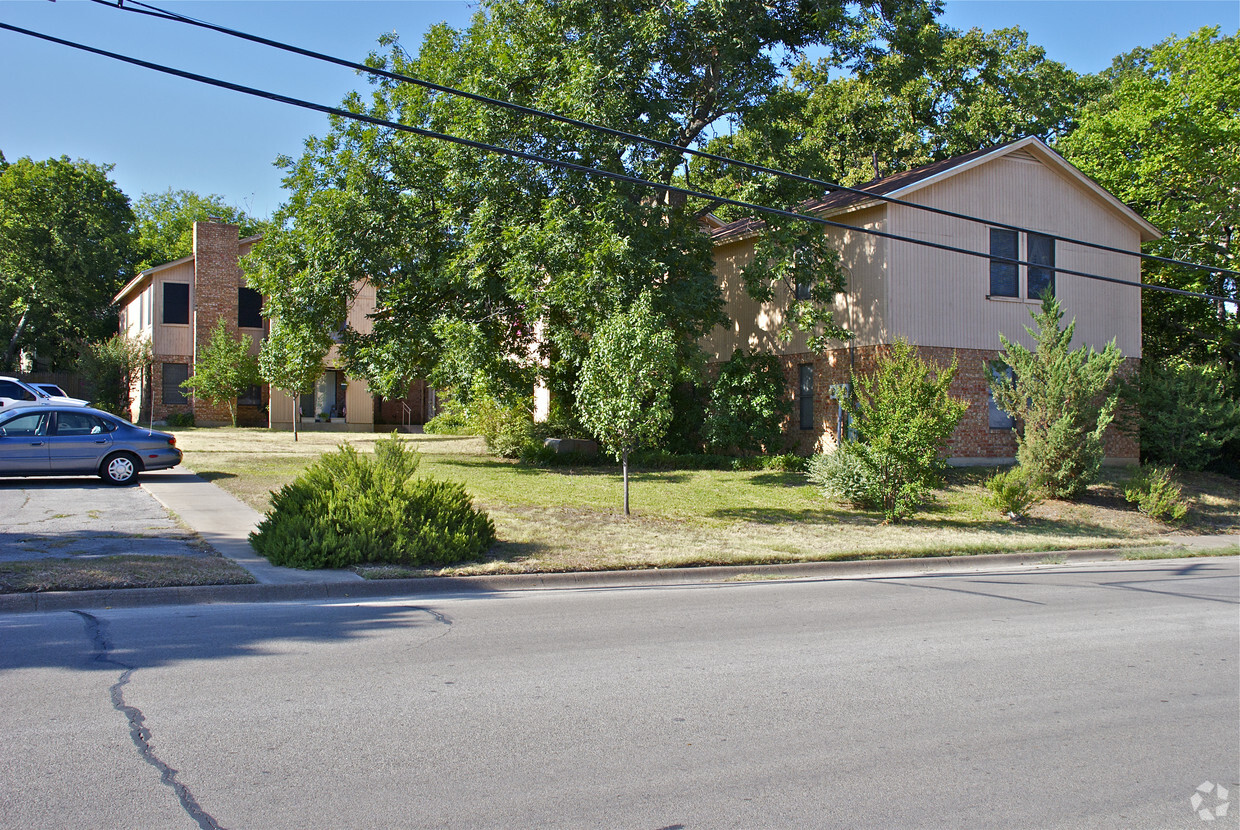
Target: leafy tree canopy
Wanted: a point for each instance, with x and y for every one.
(481, 262)
(1165, 138)
(958, 92)
(66, 246)
(166, 223)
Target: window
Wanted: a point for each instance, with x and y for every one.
(805, 395)
(253, 396)
(81, 423)
(803, 291)
(176, 303)
(249, 309)
(1041, 252)
(15, 391)
(33, 424)
(1004, 279)
(998, 418)
(174, 374)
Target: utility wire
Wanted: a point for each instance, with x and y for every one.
(138, 7)
(581, 168)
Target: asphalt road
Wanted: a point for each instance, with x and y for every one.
(1077, 696)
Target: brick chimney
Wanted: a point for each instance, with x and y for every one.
(217, 275)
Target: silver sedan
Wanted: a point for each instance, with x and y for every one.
(75, 440)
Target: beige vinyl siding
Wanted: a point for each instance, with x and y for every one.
(939, 298)
(362, 307)
(755, 326)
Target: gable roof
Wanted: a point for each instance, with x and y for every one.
(900, 185)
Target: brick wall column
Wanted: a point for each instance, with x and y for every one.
(217, 275)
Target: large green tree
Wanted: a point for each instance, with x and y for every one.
(1165, 138)
(66, 248)
(482, 262)
(166, 223)
(224, 369)
(958, 92)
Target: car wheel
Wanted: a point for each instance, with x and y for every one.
(120, 469)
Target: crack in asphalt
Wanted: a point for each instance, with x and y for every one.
(138, 731)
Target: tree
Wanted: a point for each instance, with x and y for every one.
(481, 262)
(1186, 414)
(111, 367)
(624, 396)
(748, 405)
(291, 359)
(165, 223)
(1165, 138)
(66, 246)
(959, 92)
(902, 414)
(224, 369)
(1064, 399)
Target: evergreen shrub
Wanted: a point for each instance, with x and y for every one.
(748, 405)
(179, 419)
(1011, 492)
(348, 509)
(1156, 494)
(843, 475)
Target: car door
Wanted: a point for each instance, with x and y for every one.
(23, 444)
(78, 442)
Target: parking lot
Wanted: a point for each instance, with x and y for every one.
(77, 518)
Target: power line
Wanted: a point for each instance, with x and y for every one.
(138, 7)
(580, 168)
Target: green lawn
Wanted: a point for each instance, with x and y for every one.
(563, 519)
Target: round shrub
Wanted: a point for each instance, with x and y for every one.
(843, 475)
(1011, 492)
(348, 509)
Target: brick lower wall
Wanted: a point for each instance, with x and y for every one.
(973, 439)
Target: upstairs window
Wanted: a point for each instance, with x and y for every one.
(1041, 253)
(1005, 275)
(249, 309)
(1004, 278)
(176, 303)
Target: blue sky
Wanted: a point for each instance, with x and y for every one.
(163, 132)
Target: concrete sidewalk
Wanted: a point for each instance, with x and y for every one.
(225, 523)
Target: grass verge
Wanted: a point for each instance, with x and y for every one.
(119, 572)
(569, 519)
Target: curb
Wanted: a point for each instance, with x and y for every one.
(852, 569)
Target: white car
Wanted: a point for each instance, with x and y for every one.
(14, 392)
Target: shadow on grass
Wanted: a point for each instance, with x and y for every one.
(214, 475)
(776, 479)
(524, 471)
(785, 515)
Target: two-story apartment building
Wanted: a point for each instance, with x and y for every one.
(948, 303)
(176, 306)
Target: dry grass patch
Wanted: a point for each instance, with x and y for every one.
(119, 572)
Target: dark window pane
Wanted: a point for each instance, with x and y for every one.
(1041, 252)
(803, 291)
(176, 302)
(998, 418)
(1003, 280)
(249, 309)
(806, 395)
(174, 375)
(252, 396)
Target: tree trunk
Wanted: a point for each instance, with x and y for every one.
(624, 463)
(8, 353)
